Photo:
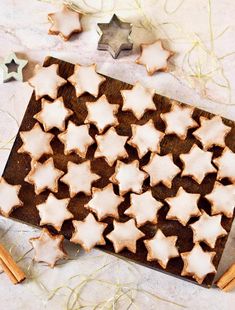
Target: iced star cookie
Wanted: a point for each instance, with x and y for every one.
(76, 139)
(145, 138)
(111, 146)
(79, 178)
(54, 212)
(222, 199)
(212, 132)
(183, 206)
(197, 164)
(104, 202)
(179, 120)
(64, 23)
(53, 114)
(44, 176)
(46, 81)
(128, 177)
(208, 229)
(125, 235)
(161, 248)
(48, 248)
(143, 208)
(88, 233)
(85, 79)
(102, 113)
(198, 263)
(36, 150)
(226, 165)
(138, 100)
(161, 169)
(154, 57)
(9, 197)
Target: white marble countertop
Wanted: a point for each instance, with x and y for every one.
(202, 74)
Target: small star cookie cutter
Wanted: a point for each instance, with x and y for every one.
(12, 68)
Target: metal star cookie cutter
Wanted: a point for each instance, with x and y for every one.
(115, 36)
(12, 67)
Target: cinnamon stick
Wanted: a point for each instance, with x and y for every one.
(10, 267)
(227, 281)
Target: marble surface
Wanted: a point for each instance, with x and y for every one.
(201, 73)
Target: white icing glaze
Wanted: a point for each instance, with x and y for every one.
(161, 248)
(46, 81)
(208, 229)
(76, 139)
(143, 208)
(44, 176)
(9, 198)
(197, 163)
(104, 202)
(198, 263)
(86, 79)
(65, 22)
(48, 248)
(212, 132)
(36, 150)
(53, 114)
(89, 232)
(102, 113)
(183, 206)
(54, 211)
(178, 120)
(111, 146)
(79, 178)
(145, 138)
(154, 57)
(222, 199)
(226, 165)
(138, 100)
(124, 235)
(161, 169)
(129, 177)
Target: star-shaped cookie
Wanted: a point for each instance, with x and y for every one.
(208, 229)
(48, 248)
(145, 138)
(222, 199)
(128, 177)
(226, 165)
(9, 197)
(12, 68)
(85, 79)
(161, 169)
(111, 146)
(125, 235)
(53, 114)
(44, 176)
(197, 164)
(54, 212)
(79, 178)
(88, 233)
(115, 36)
(138, 100)
(104, 202)
(154, 57)
(143, 208)
(179, 120)
(101, 113)
(212, 132)
(46, 81)
(161, 248)
(64, 23)
(76, 139)
(183, 206)
(36, 150)
(198, 263)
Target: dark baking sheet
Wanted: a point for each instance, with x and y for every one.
(18, 166)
